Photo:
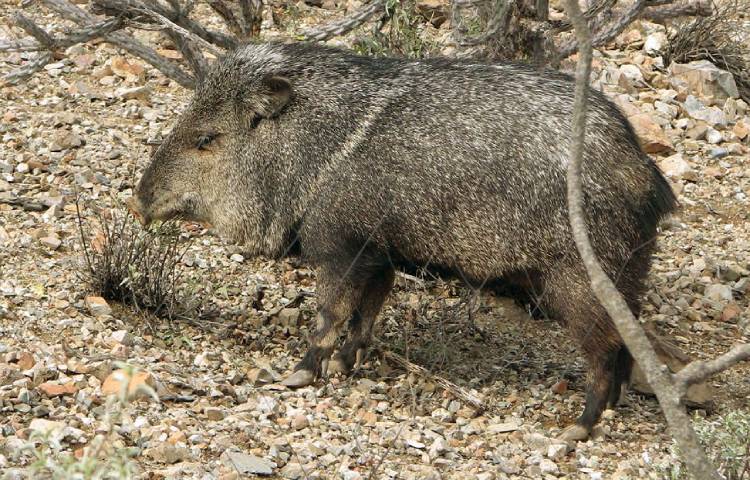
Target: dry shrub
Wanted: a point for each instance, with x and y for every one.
(723, 39)
(138, 267)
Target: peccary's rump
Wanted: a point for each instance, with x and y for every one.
(366, 164)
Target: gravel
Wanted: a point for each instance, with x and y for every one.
(81, 126)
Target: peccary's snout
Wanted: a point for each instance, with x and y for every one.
(135, 207)
(143, 198)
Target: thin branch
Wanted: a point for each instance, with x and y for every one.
(608, 33)
(131, 8)
(166, 22)
(497, 26)
(602, 6)
(55, 43)
(457, 391)
(661, 13)
(251, 15)
(34, 30)
(617, 308)
(191, 53)
(30, 68)
(347, 24)
(699, 371)
(21, 45)
(126, 42)
(636, 10)
(227, 15)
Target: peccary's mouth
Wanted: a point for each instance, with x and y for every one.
(182, 207)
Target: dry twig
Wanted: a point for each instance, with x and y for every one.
(455, 390)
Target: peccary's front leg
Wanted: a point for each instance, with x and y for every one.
(338, 298)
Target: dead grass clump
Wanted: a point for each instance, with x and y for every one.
(723, 39)
(138, 267)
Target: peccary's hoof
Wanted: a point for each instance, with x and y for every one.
(574, 433)
(300, 378)
(336, 365)
(360, 358)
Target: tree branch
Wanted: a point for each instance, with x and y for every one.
(124, 41)
(21, 45)
(29, 68)
(177, 29)
(227, 15)
(698, 371)
(636, 10)
(661, 13)
(609, 32)
(497, 26)
(130, 8)
(347, 24)
(48, 42)
(37, 32)
(251, 15)
(617, 308)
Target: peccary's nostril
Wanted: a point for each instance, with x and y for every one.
(135, 207)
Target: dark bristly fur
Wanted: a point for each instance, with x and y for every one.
(369, 164)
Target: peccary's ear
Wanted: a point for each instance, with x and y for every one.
(272, 97)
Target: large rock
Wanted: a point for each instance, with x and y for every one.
(703, 78)
(652, 137)
(714, 116)
(246, 464)
(97, 306)
(142, 385)
(677, 167)
(654, 43)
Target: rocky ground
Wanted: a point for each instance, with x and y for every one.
(81, 126)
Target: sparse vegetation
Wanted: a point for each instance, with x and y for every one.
(727, 442)
(398, 33)
(139, 267)
(104, 458)
(720, 39)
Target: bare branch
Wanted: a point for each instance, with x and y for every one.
(454, 389)
(602, 6)
(610, 32)
(251, 15)
(22, 45)
(659, 14)
(30, 68)
(636, 10)
(178, 29)
(80, 36)
(227, 15)
(617, 308)
(345, 25)
(698, 371)
(34, 30)
(497, 26)
(124, 41)
(191, 53)
(131, 8)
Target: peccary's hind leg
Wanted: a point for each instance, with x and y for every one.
(623, 370)
(338, 297)
(360, 326)
(569, 296)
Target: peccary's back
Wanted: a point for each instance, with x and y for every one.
(464, 166)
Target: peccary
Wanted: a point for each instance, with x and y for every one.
(366, 165)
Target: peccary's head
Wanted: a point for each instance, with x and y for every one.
(202, 170)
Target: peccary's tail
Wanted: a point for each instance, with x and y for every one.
(661, 200)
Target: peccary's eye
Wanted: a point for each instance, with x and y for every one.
(204, 140)
(255, 120)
